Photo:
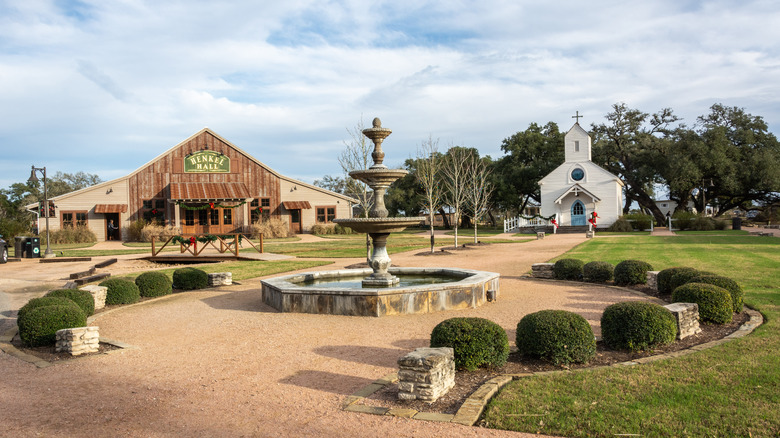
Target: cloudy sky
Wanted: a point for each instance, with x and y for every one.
(104, 86)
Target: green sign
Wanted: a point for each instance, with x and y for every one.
(207, 162)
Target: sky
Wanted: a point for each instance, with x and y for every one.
(105, 86)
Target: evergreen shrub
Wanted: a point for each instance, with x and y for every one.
(190, 279)
(682, 276)
(477, 342)
(153, 284)
(703, 223)
(637, 325)
(121, 291)
(621, 226)
(665, 278)
(630, 272)
(683, 220)
(558, 336)
(39, 326)
(714, 301)
(598, 272)
(43, 302)
(734, 289)
(568, 269)
(81, 297)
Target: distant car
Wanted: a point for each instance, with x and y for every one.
(3, 250)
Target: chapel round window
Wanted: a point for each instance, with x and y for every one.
(577, 174)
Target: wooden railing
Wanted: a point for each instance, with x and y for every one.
(230, 242)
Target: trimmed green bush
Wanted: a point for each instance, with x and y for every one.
(120, 291)
(630, 272)
(43, 302)
(714, 302)
(665, 278)
(598, 272)
(735, 290)
(81, 297)
(568, 269)
(682, 276)
(477, 342)
(39, 326)
(637, 325)
(190, 278)
(683, 220)
(556, 335)
(703, 223)
(153, 284)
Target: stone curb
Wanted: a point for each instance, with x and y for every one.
(469, 412)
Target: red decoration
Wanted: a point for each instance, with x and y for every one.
(154, 211)
(211, 205)
(554, 222)
(194, 243)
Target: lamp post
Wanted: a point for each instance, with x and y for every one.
(34, 178)
(703, 195)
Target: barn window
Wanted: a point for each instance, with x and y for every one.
(326, 214)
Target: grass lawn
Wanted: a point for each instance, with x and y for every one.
(729, 390)
(247, 269)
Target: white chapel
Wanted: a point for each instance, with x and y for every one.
(578, 187)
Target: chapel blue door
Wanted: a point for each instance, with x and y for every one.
(578, 213)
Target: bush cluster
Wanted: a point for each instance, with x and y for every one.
(43, 302)
(568, 269)
(637, 325)
(682, 276)
(153, 284)
(190, 279)
(134, 230)
(120, 291)
(330, 229)
(683, 220)
(630, 272)
(477, 342)
(556, 335)
(598, 272)
(639, 221)
(78, 234)
(270, 228)
(82, 298)
(714, 302)
(161, 233)
(38, 326)
(621, 226)
(665, 278)
(734, 289)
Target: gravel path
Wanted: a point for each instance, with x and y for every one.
(221, 363)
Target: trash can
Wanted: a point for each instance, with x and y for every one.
(19, 246)
(736, 223)
(33, 247)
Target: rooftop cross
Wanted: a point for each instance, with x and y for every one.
(577, 116)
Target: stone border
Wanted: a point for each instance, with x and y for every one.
(469, 412)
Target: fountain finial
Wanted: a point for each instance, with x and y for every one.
(377, 134)
(376, 123)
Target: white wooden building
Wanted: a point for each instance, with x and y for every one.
(578, 187)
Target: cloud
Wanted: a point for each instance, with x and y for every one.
(102, 80)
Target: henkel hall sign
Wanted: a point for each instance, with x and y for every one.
(207, 162)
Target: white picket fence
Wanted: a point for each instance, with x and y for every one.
(516, 223)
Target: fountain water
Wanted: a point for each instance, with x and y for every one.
(335, 292)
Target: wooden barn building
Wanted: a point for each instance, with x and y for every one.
(204, 184)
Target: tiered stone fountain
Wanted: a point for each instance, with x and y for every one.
(383, 290)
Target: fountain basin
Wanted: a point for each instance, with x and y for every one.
(379, 224)
(465, 289)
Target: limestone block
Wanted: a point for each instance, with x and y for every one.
(540, 235)
(687, 317)
(426, 374)
(542, 270)
(220, 279)
(652, 280)
(78, 340)
(98, 294)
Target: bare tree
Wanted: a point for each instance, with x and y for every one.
(428, 175)
(479, 190)
(357, 156)
(456, 182)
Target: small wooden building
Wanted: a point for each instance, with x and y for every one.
(204, 184)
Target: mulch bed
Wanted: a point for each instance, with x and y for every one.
(466, 382)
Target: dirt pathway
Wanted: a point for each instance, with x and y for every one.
(221, 363)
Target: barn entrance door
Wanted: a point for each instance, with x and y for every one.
(295, 221)
(207, 221)
(578, 213)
